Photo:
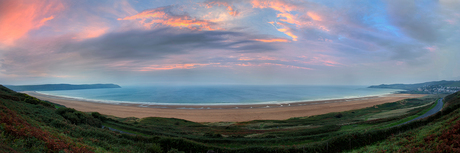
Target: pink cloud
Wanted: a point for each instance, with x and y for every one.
(244, 58)
(44, 20)
(249, 64)
(91, 32)
(272, 40)
(431, 48)
(314, 16)
(319, 60)
(286, 30)
(20, 17)
(175, 66)
(277, 5)
(158, 16)
(291, 14)
(231, 9)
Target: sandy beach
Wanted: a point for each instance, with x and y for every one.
(226, 113)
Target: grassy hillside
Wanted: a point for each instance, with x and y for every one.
(31, 125)
(440, 135)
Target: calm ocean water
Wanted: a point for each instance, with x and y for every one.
(218, 95)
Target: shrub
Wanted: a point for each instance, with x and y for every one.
(32, 100)
(47, 104)
(174, 150)
(155, 148)
(98, 116)
(213, 135)
(61, 111)
(77, 117)
(339, 115)
(58, 124)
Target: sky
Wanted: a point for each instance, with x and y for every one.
(251, 42)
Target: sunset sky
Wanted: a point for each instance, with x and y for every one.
(229, 42)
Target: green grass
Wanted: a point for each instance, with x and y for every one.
(411, 117)
(118, 128)
(416, 140)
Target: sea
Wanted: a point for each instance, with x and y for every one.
(218, 94)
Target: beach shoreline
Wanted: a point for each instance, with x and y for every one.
(226, 113)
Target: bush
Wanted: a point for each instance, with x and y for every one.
(174, 150)
(213, 135)
(32, 100)
(58, 124)
(46, 104)
(63, 110)
(339, 115)
(155, 148)
(77, 117)
(35, 101)
(98, 116)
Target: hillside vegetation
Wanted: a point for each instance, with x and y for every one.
(442, 134)
(31, 125)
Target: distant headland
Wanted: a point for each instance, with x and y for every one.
(434, 87)
(50, 87)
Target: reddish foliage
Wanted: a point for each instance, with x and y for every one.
(18, 127)
(9, 97)
(451, 120)
(449, 140)
(5, 148)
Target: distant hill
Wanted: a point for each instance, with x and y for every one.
(49, 87)
(418, 85)
(427, 87)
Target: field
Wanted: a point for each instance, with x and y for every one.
(30, 125)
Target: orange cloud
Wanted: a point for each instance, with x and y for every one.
(230, 9)
(314, 16)
(284, 8)
(174, 66)
(289, 18)
(91, 32)
(320, 60)
(272, 40)
(277, 5)
(273, 64)
(268, 58)
(159, 16)
(245, 59)
(45, 19)
(258, 58)
(288, 32)
(286, 16)
(19, 17)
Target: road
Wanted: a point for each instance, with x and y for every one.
(436, 109)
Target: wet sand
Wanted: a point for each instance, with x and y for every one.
(226, 113)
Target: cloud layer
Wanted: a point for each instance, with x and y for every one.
(236, 42)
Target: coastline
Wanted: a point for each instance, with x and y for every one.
(226, 113)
